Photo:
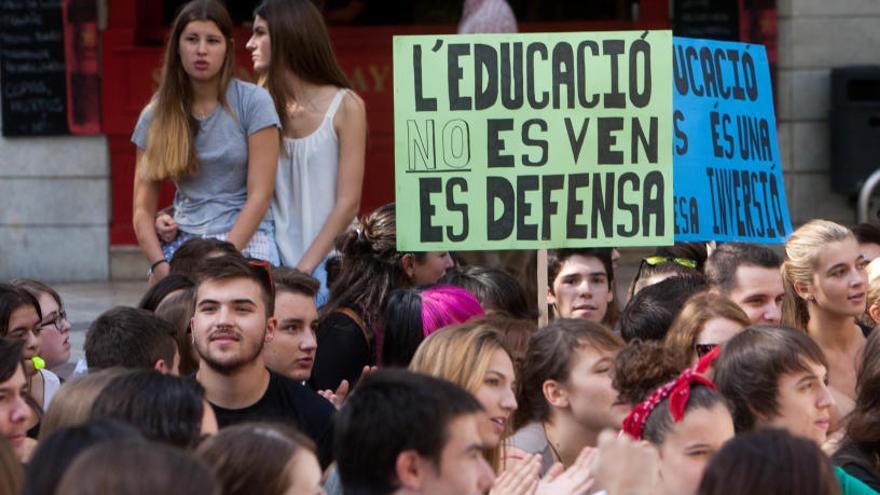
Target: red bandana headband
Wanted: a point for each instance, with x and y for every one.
(678, 391)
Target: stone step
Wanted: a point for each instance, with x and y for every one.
(128, 263)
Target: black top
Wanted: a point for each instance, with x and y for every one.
(289, 402)
(342, 352)
(858, 464)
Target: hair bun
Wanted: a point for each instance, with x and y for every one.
(373, 236)
(353, 241)
(642, 367)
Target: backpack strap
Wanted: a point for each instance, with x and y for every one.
(358, 321)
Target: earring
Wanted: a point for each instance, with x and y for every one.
(811, 298)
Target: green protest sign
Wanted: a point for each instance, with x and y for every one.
(533, 140)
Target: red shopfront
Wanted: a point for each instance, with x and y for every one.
(131, 57)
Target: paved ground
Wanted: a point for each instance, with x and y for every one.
(85, 301)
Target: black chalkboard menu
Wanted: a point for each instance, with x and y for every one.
(32, 69)
(709, 19)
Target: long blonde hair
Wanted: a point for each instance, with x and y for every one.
(11, 470)
(873, 298)
(461, 354)
(170, 150)
(72, 405)
(802, 253)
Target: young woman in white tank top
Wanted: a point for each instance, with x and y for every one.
(321, 165)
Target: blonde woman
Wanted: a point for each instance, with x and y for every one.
(871, 318)
(475, 357)
(72, 405)
(706, 321)
(216, 137)
(825, 292)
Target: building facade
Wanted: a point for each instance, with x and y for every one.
(65, 202)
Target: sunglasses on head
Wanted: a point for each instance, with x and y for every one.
(264, 270)
(703, 349)
(659, 260)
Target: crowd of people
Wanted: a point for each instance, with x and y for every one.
(286, 347)
(728, 370)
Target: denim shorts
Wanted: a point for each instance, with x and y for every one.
(261, 246)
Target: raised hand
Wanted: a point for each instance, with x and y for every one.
(520, 479)
(337, 397)
(576, 480)
(625, 466)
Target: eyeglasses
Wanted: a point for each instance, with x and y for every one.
(58, 320)
(703, 349)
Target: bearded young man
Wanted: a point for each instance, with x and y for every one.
(232, 322)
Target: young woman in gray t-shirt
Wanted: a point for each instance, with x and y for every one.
(214, 136)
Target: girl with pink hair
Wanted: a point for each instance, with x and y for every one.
(415, 313)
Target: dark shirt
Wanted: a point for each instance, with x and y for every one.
(858, 464)
(342, 352)
(292, 403)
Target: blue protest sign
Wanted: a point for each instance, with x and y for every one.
(727, 177)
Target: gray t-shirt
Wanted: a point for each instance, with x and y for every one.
(532, 439)
(209, 202)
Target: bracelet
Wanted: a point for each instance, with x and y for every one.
(154, 265)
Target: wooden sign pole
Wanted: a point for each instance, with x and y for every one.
(543, 317)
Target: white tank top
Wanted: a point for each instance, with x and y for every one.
(305, 187)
